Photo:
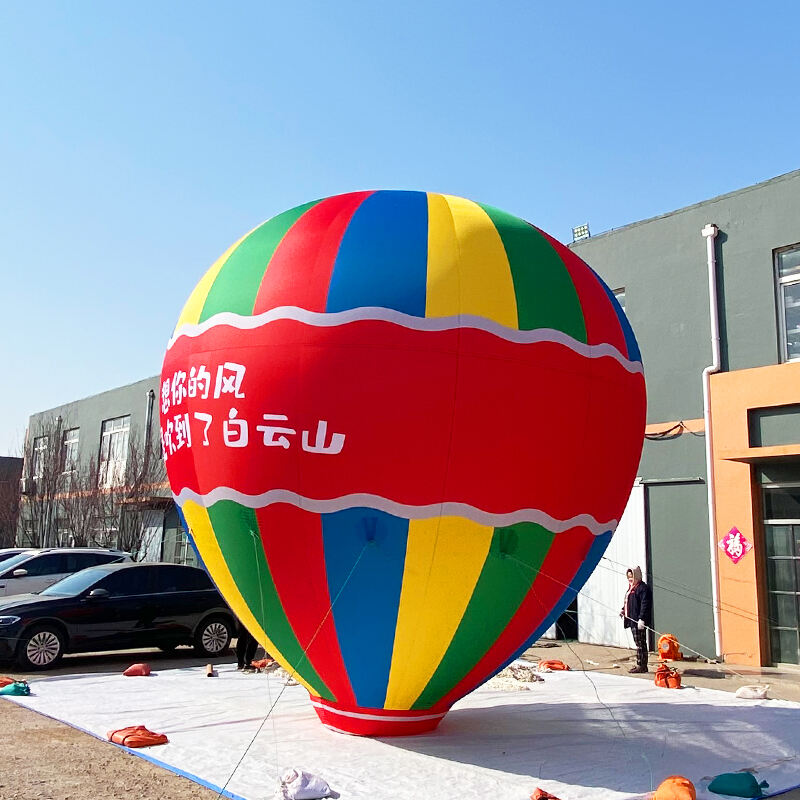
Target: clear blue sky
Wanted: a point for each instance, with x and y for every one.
(139, 140)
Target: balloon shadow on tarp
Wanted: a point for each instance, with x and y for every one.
(580, 744)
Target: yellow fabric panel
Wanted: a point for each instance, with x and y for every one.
(442, 289)
(444, 558)
(200, 525)
(468, 270)
(197, 299)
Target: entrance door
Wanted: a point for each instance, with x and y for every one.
(783, 587)
(782, 547)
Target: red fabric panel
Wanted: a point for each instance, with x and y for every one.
(302, 585)
(565, 556)
(299, 271)
(428, 417)
(601, 320)
(374, 721)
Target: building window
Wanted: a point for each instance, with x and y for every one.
(620, 295)
(69, 449)
(39, 456)
(787, 267)
(113, 451)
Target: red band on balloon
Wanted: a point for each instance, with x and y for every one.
(412, 418)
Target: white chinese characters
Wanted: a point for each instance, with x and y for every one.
(235, 433)
(229, 378)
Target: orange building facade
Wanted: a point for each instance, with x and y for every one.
(743, 457)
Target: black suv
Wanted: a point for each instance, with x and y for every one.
(116, 607)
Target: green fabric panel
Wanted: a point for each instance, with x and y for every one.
(237, 283)
(502, 586)
(247, 563)
(546, 296)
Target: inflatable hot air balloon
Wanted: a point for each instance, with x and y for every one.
(401, 428)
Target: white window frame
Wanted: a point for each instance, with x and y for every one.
(39, 454)
(781, 282)
(619, 294)
(114, 438)
(69, 442)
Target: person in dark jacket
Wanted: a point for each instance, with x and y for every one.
(245, 648)
(637, 614)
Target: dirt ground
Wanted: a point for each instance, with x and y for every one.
(41, 759)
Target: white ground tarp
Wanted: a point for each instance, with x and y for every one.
(578, 735)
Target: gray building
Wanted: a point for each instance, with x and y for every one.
(106, 451)
(659, 269)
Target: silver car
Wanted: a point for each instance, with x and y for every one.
(34, 570)
(10, 552)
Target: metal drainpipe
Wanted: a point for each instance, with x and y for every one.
(148, 424)
(709, 233)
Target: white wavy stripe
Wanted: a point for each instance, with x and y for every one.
(364, 500)
(360, 715)
(322, 320)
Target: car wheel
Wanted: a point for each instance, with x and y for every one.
(213, 636)
(41, 648)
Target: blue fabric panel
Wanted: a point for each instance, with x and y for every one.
(383, 257)
(365, 554)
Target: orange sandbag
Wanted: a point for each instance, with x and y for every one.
(541, 794)
(553, 664)
(667, 678)
(5, 681)
(676, 787)
(262, 663)
(136, 670)
(136, 736)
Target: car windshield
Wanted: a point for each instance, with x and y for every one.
(13, 562)
(76, 583)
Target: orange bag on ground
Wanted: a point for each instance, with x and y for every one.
(5, 681)
(541, 794)
(135, 670)
(669, 648)
(262, 663)
(136, 736)
(667, 678)
(553, 664)
(676, 787)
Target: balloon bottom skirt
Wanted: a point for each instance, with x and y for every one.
(359, 721)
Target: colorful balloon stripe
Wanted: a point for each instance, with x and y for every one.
(241, 546)
(546, 296)
(382, 259)
(204, 539)
(237, 284)
(365, 555)
(312, 242)
(302, 587)
(515, 556)
(463, 265)
(546, 588)
(593, 557)
(193, 307)
(468, 272)
(444, 560)
(602, 324)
